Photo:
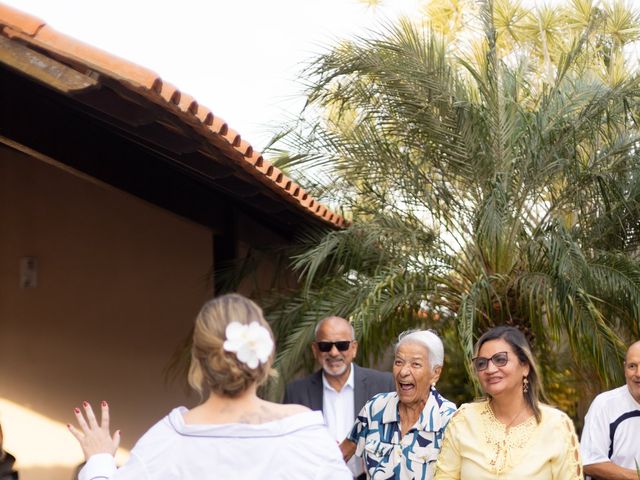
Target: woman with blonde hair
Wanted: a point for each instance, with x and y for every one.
(232, 434)
(510, 434)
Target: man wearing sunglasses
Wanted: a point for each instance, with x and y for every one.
(340, 388)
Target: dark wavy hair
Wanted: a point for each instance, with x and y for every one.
(520, 346)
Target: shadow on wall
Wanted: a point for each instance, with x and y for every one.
(44, 448)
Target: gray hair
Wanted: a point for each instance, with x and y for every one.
(428, 339)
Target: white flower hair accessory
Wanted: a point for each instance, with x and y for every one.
(251, 343)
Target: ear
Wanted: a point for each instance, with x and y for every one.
(354, 345)
(526, 370)
(316, 352)
(436, 374)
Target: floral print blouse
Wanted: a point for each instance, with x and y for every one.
(388, 455)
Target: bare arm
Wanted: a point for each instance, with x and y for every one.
(348, 448)
(609, 471)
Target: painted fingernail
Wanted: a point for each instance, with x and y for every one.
(69, 426)
(85, 404)
(77, 410)
(104, 404)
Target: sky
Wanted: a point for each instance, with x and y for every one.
(240, 58)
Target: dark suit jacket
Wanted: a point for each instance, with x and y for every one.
(367, 382)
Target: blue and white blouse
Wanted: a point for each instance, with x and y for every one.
(388, 455)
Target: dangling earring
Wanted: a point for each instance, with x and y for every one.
(525, 385)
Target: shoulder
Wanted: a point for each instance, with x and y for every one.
(375, 379)
(371, 373)
(444, 404)
(603, 401)
(471, 410)
(158, 438)
(286, 410)
(466, 416)
(556, 416)
(476, 407)
(302, 382)
(297, 390)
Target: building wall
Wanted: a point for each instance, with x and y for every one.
(119, 282)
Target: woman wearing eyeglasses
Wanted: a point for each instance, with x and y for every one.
(399, 434)
(510, 434)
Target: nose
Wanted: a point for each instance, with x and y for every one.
(334, 350)
(490, 367)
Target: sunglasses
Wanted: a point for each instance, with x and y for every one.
(499, 359)
(341, 345)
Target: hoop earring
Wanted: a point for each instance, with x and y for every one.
(525, 385)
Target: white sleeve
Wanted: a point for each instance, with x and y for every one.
(317, 455)
(103, 467)
(594, 442)
(333, 466)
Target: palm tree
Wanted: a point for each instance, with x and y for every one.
(481, 192)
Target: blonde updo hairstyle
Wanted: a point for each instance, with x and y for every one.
(212, 368)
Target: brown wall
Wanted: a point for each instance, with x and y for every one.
(119, 283)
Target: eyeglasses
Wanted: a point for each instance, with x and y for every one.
(499, 359)
(341, 345)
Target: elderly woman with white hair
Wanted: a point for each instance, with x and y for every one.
(399, 434)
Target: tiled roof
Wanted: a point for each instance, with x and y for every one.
(36, 34)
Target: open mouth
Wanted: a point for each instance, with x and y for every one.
(406, 387)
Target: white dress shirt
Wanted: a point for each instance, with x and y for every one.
(339, 414)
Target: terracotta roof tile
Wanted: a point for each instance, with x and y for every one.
(20, 21)
(80, 55)
(204, 115)
(232, 137)
(79, 52)
(246, 148)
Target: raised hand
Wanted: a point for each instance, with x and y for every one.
(94, 438)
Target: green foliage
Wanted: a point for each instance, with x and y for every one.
(482, 189)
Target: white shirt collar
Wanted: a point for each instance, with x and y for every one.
(349, 383)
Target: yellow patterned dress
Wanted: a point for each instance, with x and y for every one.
(479, 447)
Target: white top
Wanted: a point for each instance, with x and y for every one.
(339, 414)
(292, 448)
(612, 429)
